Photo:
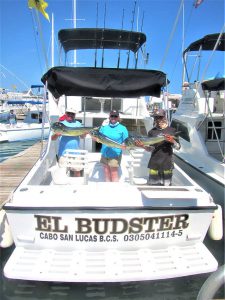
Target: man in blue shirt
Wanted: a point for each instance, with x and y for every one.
(68, 142)
(111, 157)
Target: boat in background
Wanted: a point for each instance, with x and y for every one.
(20, 102)
(200, 119)
(33, 127)
(28, 107)
(83, 229)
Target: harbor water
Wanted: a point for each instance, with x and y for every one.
(9, 149)
(185, 288)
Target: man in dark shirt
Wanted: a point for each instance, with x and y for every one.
(161, 162)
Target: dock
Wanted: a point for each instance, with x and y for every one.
(15, 168)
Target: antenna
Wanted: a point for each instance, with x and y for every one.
(103, 37)
(132, 25)
(118, 63)
(96, 48)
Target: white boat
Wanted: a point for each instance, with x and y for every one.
(200, 119)
(34, 126)
(83, 229)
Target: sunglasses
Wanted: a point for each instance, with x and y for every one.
(114, 116)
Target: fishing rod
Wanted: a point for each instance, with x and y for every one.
(118, 63)
(132, 25)
(102, 44)
(96, 48)
(139, 38)
(144, 54)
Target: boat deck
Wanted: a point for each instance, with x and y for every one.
(14, 169)
(47, 183)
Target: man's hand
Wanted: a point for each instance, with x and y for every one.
(169, 138)
(139, 143)
(55, 136)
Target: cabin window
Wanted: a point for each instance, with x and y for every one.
(181, 128)
(135, 127)
(211, 134)
(97, 105)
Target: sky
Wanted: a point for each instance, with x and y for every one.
(25, 40)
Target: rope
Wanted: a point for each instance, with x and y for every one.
(172, 34)
(181, 47)
(42, 39)
(214, 49)
(11, 73)
(35, 35)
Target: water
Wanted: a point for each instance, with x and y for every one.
(9, 149)
(185, 288)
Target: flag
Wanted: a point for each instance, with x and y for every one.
(197, 3)
(40, 5)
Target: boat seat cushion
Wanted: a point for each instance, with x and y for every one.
(73, 159)
(138, 166)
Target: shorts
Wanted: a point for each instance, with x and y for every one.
(113, 162)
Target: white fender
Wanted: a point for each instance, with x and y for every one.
(6, 239)
(216, 226)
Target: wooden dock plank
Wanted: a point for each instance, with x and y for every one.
(15, 168)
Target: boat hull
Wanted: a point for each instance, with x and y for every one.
(212, 186)
(103, 245)
(28, 132)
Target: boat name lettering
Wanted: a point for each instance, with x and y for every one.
(114, 225)
(49, 223)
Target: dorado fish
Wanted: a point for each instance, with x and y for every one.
(147, 141)
(59, 128)
(103, 139)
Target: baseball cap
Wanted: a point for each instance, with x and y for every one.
(114, 113)
(71, 110)
(159, 113)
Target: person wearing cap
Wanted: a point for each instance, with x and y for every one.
(161, 163)
(111, 157)
(68, 142)
(11, 118)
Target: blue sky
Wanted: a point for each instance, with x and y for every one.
(21, 51)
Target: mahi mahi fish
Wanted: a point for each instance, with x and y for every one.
(129, 143)
(59, 128)
(103, 139)
(147, 141)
